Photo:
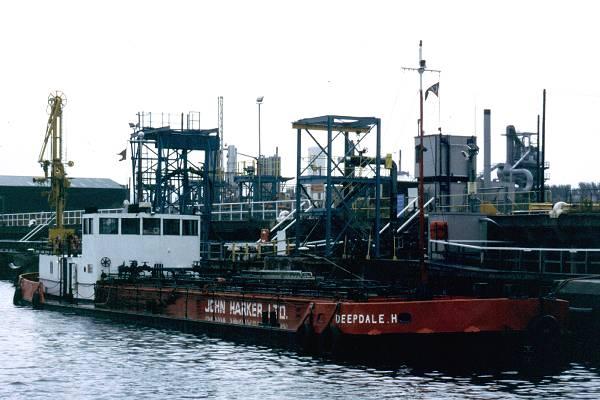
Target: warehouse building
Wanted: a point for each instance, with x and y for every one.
(20, 194)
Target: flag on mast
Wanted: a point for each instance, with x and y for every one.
(433, 89)
(123, 154)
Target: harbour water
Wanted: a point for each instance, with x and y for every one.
(47, 354)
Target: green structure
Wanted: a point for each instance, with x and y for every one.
(20, 194)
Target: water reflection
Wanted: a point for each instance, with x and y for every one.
(52, 355)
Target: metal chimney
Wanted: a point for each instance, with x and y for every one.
(487, 139)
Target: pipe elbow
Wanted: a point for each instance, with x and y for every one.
(528, 178)
(559, 208)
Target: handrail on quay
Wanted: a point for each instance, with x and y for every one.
(543, 260)
(264, 210)
(400, 213)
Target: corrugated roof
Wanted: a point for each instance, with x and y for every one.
(80, 183)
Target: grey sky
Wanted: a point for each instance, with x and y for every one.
(309, 58)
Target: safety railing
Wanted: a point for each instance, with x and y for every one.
(414, 215)
(36, 229)
(289, 218)
(581, 261)
(154, 120)
(263, 210)
(400, 213)
(498, 200)
(71, 217)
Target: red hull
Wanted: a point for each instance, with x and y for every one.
(383, 316)
(323, 324)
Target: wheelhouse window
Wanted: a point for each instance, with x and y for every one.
(171, 227)
(130, 226)
(109, 226)
(190, 227)
(88, 226)
(151, 226)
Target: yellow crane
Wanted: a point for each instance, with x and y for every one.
(54, 169)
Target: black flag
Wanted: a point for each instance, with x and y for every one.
(123, 154)
(433, 89)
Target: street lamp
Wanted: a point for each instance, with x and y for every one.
(259, 101)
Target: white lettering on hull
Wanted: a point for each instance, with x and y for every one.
(243, 308)
(215, 306)
(360, 319)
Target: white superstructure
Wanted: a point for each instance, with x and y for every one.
(111, 240)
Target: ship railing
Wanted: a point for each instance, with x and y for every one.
(155, 120)
(243, 211)
(414, 215)
(254, 251)
(491, 255)
(516, 203)
(400, 213)
(290, 217)
(248, 251)
(494, 201)
(263, 210)
(71, 217)
(36, 229)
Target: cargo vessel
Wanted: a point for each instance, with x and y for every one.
(344, 269)
(122, 273)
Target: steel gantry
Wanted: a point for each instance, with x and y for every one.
(350, 212)
(175, 164)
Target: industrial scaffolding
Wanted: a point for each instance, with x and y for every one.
(351, 183)
(175, 164)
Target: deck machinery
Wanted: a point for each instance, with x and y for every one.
(54, 171)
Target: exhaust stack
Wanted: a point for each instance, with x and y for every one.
(487, 138)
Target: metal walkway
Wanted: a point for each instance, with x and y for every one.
(261, 210)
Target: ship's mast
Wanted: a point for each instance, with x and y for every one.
(421, 191)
